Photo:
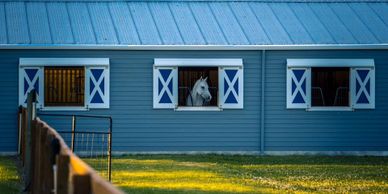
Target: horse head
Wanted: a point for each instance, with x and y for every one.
(201, 88)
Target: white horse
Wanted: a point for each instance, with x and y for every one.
(200, 94)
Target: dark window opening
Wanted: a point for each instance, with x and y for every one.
(64, 86)
(203, 94)
(330, 86)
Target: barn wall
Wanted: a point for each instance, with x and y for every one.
(298, 130)
(136, 126)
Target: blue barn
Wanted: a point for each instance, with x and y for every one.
(225, 76)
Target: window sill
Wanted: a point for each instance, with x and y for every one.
(214, 108)
(70, 108)
(321, 108)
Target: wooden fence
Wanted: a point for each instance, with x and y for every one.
(54, 168)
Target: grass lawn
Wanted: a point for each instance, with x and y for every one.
(9, 177)
(249, 174)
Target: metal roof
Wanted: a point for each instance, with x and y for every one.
(185, 23)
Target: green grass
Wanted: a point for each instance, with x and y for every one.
(249, 174)
(9, 177)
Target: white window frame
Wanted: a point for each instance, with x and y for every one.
(63, 62)
(311, 63)
(193, 62)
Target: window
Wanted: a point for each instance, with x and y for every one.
(330, 84)
(198, 84)
(64, 86)
(65, 83)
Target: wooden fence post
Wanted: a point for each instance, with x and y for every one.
(35, 153)
(63, 173)
(48, 170)
(82, 184)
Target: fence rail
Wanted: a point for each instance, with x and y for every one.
(49, 164)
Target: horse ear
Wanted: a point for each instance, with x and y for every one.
(205, 78)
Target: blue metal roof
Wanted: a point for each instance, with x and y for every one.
(277, 22)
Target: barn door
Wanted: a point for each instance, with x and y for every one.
(97, 87)
(165, 87)
(298, 88)
(231, 87)
(363, 88)
(30, 78)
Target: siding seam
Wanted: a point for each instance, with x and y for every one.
(262, 106)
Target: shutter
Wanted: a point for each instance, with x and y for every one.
(30, 78)
(363, 88)
(165, 87)
(231, 87)
(97, 87)
(298, 88)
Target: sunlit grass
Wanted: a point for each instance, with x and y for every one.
(249, 174)
(9, 177)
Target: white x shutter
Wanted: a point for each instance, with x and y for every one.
(97, 87)
(363, 88)
(165, 87)
(30, 78)
(298, 88)
(231, 87)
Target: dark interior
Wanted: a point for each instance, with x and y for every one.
(187, 77)
(64, 86)
(330, 86)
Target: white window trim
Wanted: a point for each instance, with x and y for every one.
(53, 62)
(330, 63)
(326, 108)
(168, 62)
(193, 62)
(351, 63)
(64, 108)
(33, 62)
(206, 108)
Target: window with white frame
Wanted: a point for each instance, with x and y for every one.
(65, 83)
(198, 84)
(330, 84)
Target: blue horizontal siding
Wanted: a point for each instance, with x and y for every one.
(323, 131)
(136, 125)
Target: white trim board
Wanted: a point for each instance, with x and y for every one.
(64, 61)
(182, 62)
(330, 63)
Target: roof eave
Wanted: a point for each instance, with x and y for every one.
(195, 47)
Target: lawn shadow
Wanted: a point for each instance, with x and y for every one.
(266, 160)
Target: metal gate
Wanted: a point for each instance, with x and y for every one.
(87, 137)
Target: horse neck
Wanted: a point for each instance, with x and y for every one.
(194, 95)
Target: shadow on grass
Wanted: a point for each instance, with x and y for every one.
(267, 160)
